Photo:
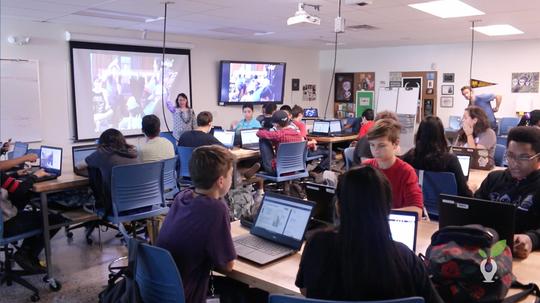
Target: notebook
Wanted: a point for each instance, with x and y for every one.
(225, 137)
(465, 163)
(479, 157)
(404, 227)
(79, 154)
(454, 210)
(50, 160)
(249, 139)
(311, 112)
(278, 230)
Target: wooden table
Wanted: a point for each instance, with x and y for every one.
(243, 154)
(477, 176)
(279, 276)
(332, 140)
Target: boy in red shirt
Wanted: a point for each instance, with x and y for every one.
(384, 142)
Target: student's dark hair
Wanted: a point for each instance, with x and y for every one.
(368, 114)
(204, 118)
(385, 128)
(247, 105)
(208, 163)
(113, 140)
(151, 125)
(267, 93)
(482, 123)
(178, 101)
(368, 253)
(296, 111)
(270, 108)
(430, 141)
(286, 108)
(525, 134)
(466, 87)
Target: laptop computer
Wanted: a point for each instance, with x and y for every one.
(278, 230)
(465, 163)
(311, 112)
(225, 137)
(249, 138)
(404, 227)
(50, 160)
(79, 154)
(327, 128)
(323, 196)
(479, 157)
(454, 210)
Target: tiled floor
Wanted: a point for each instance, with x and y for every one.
(80, 268)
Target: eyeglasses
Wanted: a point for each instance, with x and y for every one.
(521, 158)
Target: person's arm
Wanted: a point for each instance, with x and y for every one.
(171, 106)
(413, 193)
(524, 244)
(193, 119)
(227, 268)
(274, 136)
(498, 100)
(220, 247)
(7, 164)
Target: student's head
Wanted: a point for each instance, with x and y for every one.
(467, 92)
(182, 101)
(211, 167)
(113, 139)
(383, 139)
(297, 112)
(267, 94)
(151, 126)
(288, 109)
(386, 115)
(280, 119)
(270, 108)
(204, 119)
(523, 151)
(477, 118)
(247, 110)
(368, 115)
(534, 118)
(430, 138)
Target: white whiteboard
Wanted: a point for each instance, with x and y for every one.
(387, 99)
(407, 102)
(20, 106)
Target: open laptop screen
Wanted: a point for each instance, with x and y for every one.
(225, 137)
(249, 136)
(335, 126)
(19, 149)
(403, 227)
(51, 158)
(465, 162)
(321, 126)
(81, 152)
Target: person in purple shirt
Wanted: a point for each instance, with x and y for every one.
(484, 102)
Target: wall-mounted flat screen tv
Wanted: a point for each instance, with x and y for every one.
(251, 82)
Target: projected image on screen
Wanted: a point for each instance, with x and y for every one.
(251, 82)
(117, 88)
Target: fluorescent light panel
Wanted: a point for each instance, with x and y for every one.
(447, 8)
(498, 30)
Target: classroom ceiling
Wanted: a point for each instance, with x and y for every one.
(264, 21)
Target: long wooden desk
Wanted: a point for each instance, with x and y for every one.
(279, 276)
(331, 140)
(243, 154)
(477, 176)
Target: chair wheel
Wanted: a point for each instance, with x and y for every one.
(89, 241)
(34, 298)
(69, 235)
(54, 285)
(46, 278)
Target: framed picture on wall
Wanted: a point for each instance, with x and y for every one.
(344, 87)
(448, 77)
(447, 101)
(447, 89)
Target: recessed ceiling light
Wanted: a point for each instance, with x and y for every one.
(263, 33)
(150, 20)
(498, 30)
(333, 43)
(447, 8)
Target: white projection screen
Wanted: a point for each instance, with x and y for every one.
(114, 86)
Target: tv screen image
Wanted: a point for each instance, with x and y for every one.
(251, 82)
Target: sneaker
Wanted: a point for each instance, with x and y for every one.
(28, 263)
(250, 172)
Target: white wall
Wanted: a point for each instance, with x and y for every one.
(49, 47)
(493, 62)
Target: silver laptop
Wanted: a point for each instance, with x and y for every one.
(465, 163)
(225, 137)
(249, 137)
(403, 226)
(278, 230)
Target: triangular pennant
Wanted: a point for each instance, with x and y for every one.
(479, 83)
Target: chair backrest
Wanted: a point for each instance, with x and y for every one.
(290, 158)
(184, 156)
(506, 124)
(500, 150)
(169, 136)
(135, 186)
(157, 276)
(348, 154)
(170, 184)
(291, 299)
(433, 184)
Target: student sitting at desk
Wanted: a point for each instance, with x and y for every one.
(269, 110)
(200, 135)
(156, 147)
(361, 147)
(367, 122)
(519, 184)
(384, 142)
(248, 122)
(431, 153)
(360, 261)
(476, 132)
(7, 164)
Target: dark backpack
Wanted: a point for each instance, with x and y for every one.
(470, 264)
(122, 287)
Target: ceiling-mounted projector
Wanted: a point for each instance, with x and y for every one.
(301, 16)
(359, 2)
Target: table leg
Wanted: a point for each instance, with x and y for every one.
(46, 234)
(331, 161)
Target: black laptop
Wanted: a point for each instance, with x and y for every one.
(50, 160)
(278, 230)
(479, 157)
(323, 196)
(454, 210)
(79, 154)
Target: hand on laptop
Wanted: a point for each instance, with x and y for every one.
(41, 173)
(522, 245)
(30, 157)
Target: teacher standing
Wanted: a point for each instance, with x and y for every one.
(183, 116)
(484, 102)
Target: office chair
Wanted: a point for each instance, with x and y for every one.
(184, 156)
(7, 274)
(507, 123)
(348, 154)
(500, 150)
(170, 180)
(433, 184)
(157, 276)
(291, 299)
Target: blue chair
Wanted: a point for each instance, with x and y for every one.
(136, 193)
(8, 275)
(433, 184)
(348, 155)
(500, 150)
(290, 163)
(169, 136)
(506, 123)
(170, 180)
(292, 299)
(184, 156)
(157, 276)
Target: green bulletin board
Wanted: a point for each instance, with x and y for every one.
(364, 100)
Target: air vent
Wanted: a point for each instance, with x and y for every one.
(362, 26)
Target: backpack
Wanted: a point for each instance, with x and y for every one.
(469, 264)
(122, 287)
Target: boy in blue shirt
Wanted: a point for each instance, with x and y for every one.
(248, 122)
(484, 102)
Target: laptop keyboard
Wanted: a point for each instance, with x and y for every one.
(262, 245)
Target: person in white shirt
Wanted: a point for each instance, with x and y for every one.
(156, 147)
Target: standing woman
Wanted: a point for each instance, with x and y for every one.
(183, 116)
